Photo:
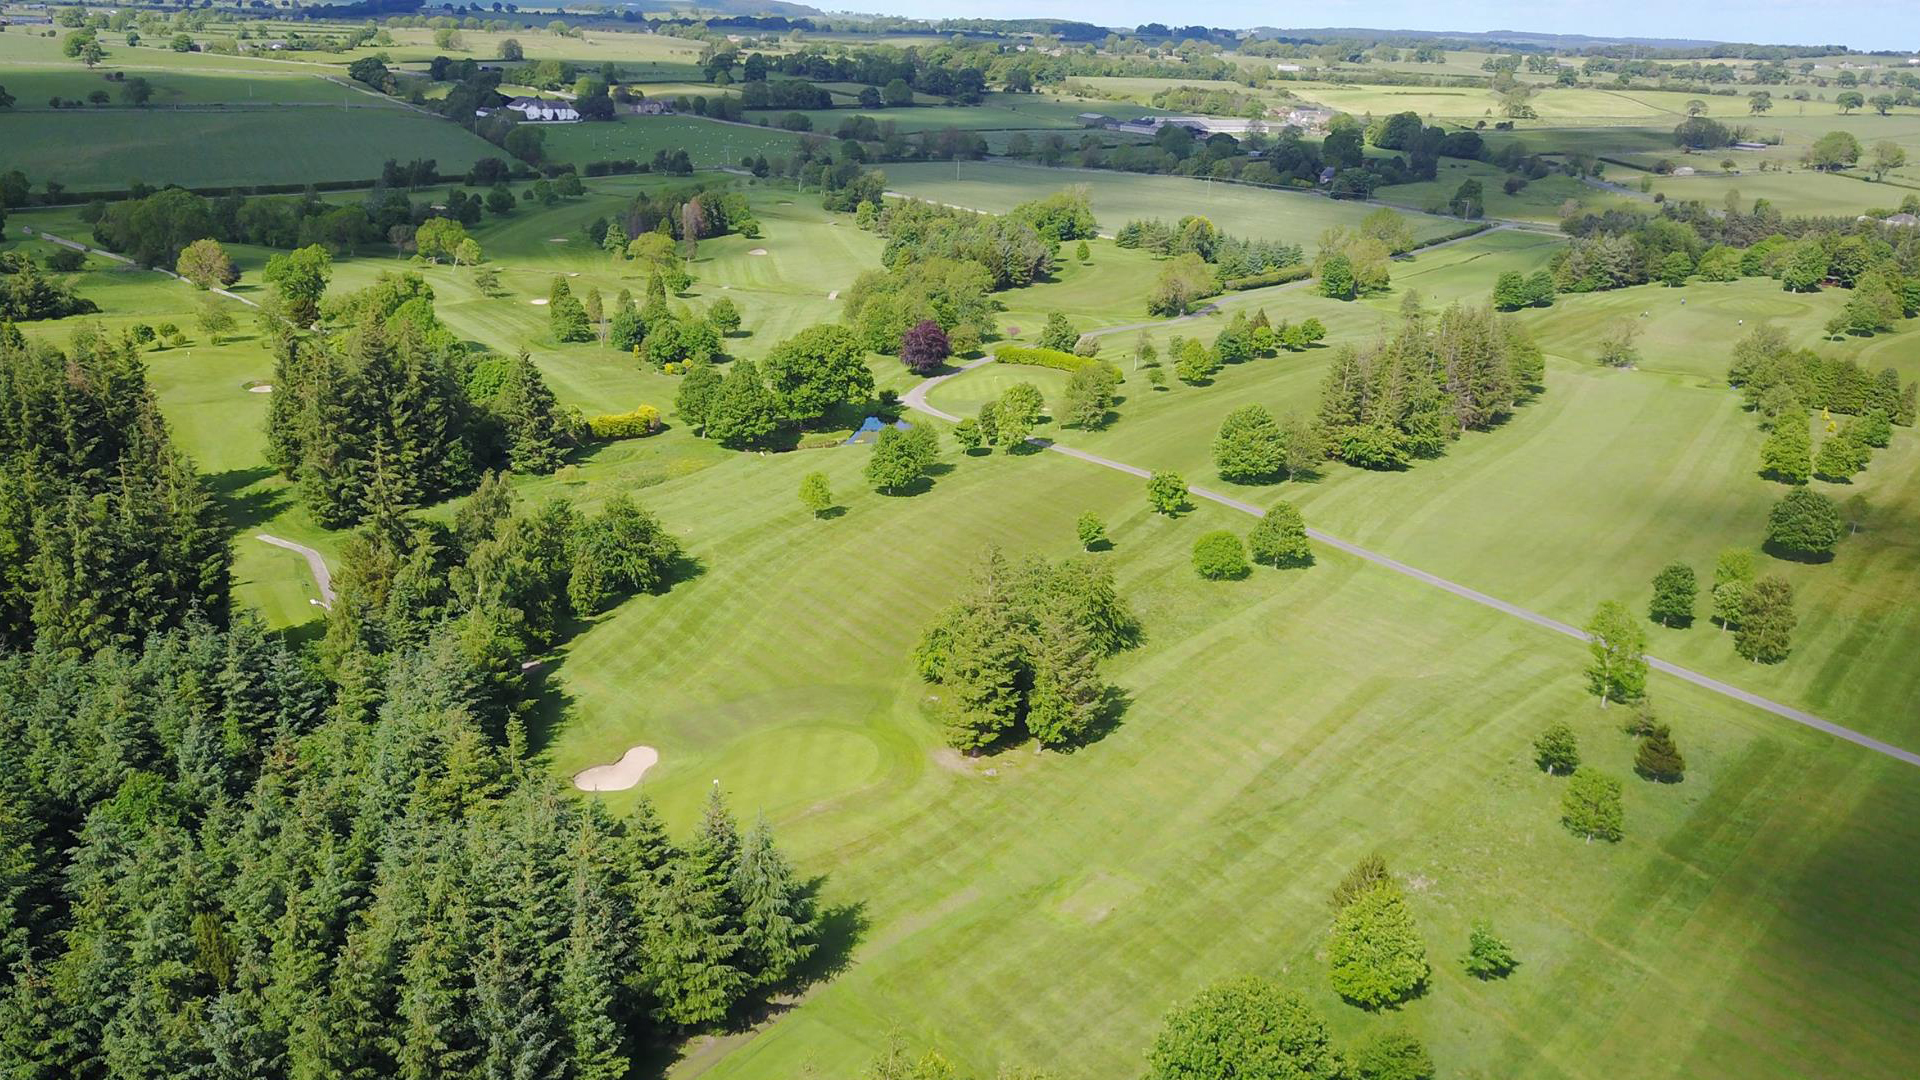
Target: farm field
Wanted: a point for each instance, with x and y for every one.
(1016, 907)
(1120, 197)
(1540, 201)
(708, 143)
(107, 148)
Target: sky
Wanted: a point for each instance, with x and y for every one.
(1888, 25)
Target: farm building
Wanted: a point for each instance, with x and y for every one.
(652, 108)
(542, 109)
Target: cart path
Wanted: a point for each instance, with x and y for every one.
(315, 562)
(85, 250)
(916, 399)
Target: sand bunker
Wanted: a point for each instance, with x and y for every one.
(620, 775)
(539, 302)
(263, 388)
(758, 251)
(559, 240)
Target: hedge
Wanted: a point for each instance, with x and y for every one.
(642, 421)
(1048, 358)
(1271, 277)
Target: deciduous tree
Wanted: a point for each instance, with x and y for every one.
(1590, 807)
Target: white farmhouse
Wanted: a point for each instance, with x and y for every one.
(542, 110)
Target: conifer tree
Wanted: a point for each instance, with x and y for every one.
(1065, 700)
(1658, 758)
(689, 967)
(776, 915)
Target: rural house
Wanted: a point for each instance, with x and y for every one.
(542, 110)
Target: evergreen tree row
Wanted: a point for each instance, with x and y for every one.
(384, 410)
(214, 864)
(1409, 396)
(107, 532)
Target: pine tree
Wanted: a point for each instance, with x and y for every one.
(689, 966)
(1067, 696)
(590, 970)
(775, 912)
(519, 1037)
(1658, 758)
(537, 436)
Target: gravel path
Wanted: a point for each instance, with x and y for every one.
(321, 575)
(916, 399)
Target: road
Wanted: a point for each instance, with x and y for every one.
(84, 249)
(321, 575)
(916, 399)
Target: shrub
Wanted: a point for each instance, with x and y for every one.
(1220, 556)
(639, 423)
(1487, 957)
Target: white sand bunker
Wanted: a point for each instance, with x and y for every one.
(540, 302)
(620, 775)
(263, 388)
(758, 251)
(559, 240)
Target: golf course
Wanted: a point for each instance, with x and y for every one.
(460, 794)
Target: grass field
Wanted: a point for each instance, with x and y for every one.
(107, 148)
(1120, 197)
(1045, 909)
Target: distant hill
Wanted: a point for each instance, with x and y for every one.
(1488, 37)
(732, 7)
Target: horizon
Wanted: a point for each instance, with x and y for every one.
(1862, 30)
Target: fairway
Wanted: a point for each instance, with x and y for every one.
(1293, 217)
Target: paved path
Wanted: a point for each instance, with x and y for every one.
(916, 399)
(321, 575)
(77, 246)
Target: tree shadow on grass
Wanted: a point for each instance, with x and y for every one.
(837, 932)
(245, 507)
(548, 702)
(830, 513)
(1787, 554)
